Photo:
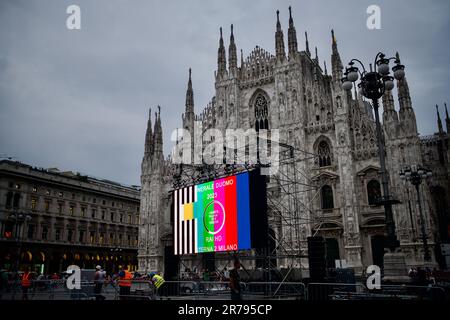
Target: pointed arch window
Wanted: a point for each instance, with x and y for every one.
(324, 154)
(326, 193)
(261, 112)
(373, 192)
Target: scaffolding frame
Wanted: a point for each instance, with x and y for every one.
(286, 216)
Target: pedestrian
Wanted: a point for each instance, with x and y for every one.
(235, 281)
(206, 275)
(26, 283)
(158, 282)
(108, 280)
(226, 273)
(412, 273)
(99, 279)
(54, 281)
(125, 277)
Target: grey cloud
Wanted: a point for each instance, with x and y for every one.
(79, 99)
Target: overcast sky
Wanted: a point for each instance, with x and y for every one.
(79, 99)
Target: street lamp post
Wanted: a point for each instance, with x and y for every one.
(416, 174)
(373, 85)
(18, 219)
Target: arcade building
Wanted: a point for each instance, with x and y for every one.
(51, 219)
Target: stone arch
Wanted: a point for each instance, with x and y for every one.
(26, 257)
(376, 221)
(259, 105)
(323, 150)
(328, 225)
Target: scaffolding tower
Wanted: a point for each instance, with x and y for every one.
(290, 194)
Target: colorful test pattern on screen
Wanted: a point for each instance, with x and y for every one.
(213, 216)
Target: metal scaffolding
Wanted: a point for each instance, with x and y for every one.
(288, 210)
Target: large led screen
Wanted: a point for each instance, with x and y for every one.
(217, 215)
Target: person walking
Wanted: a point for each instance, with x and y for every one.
(125, 277)
(206, 275)
(226, 273)
(54, 281)
(235, 281)
(26, 283)
(99, 279)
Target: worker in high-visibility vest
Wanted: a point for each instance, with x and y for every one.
(125, 277)
(26, 283)
(158, 282)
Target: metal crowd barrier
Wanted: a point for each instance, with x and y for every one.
(414, 292)
(358, 291)
(323, 291)
(195, 290)
(45, 290)
(274, 290)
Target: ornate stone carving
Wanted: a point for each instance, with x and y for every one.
(342, 139)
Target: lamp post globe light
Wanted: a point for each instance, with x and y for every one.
(373, 84)
(416, 174)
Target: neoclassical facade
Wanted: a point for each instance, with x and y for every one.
(337, 186)
(51, 219)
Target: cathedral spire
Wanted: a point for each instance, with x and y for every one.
(189, 115)
(279, 42)
(336, 63)
(404, 97)
(439, 122)
(317, 56)
(307, 44)
(158, 132)
(325, 67)
(388, 101)
(447, 119)
(292, 36)
(242, 59)
(407, 116)
(390, 116)
(232, 54)
(189, 95)
(221, 58)
(149, 136)
(388, 106)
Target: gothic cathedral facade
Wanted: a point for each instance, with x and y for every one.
(337, 187)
